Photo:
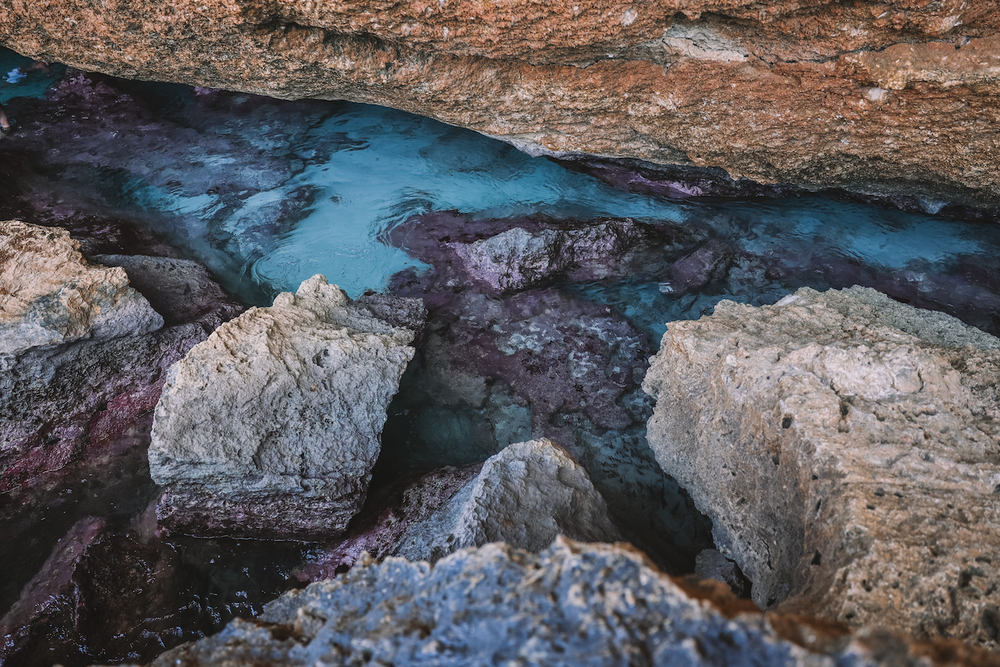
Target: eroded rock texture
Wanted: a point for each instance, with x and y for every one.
(879, 95)
(573, 604)
(847, 449)
(52, 295)
(271, 427)
(525, 496)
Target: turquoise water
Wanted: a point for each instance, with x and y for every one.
(16, 80)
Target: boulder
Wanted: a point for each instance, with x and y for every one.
(526, 495)
(847, 449)
(272, 425)
(573, 604)
(52, 295)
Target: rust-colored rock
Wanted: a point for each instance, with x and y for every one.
(882, 96)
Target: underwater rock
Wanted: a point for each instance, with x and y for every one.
(52, 295)
(271, 426)
(573, 604)
(846, 448)
(525, 496)
(879, 96)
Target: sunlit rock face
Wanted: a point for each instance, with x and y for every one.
(573, 604)
(847, 449)
(882, 95)
(271, 426)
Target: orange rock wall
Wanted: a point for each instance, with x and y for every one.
(879, 96)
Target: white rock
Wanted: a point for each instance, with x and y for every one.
(281, 403)
(526, 495)
(49, 294)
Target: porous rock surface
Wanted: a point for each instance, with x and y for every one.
(880, 95)
(847, 449)
(272, 425)
(573, 604)
(525, 496)
(52, 295)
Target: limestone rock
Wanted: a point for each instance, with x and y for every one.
(574, 604)
(526, 495)
(52, 295)
(272, 425)
(847, 449)
(879, 95)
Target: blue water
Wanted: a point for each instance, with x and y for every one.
(18, 80)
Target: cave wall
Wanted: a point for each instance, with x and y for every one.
(881, 96)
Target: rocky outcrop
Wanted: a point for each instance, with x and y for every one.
(525, 496)
(52, 295)
(880, 95)
(84, 353)
(272, 425)
(847, 449)
(573, 604)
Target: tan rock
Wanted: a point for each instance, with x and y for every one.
(49, 294)
(847, 449)
(882, 95)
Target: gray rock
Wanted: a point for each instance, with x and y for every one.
(526, 495)
(52, 295)
(847, 449)
(179, 289)
(574, 604)
(271, 426)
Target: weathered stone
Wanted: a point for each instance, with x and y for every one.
(877, 95)
(847, 449)
(272, 425)
(52, 295)
(574, 604)
(526, 495)
(179, 289)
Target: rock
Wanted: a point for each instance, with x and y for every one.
(573, 604)
(48, 600)
(526, 495)
(53, 295)
(271, 426)
(711, 564)
(179, 289)
(878, 96)
(846, 448)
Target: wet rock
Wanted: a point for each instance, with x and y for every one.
(573, 604)
(881, 96)
(271, 427)
(526, 495)
(180, 290)
(507, 255)
(845, 447)
(48, 600)
(53, 295)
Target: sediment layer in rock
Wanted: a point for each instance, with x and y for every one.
(880, 95)
(573, 604)
(271, 427)
(847, 449)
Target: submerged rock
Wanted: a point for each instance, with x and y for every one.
(573, 604)
(526, 495)
(52, 295)
(846, 448)
(271, 427)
